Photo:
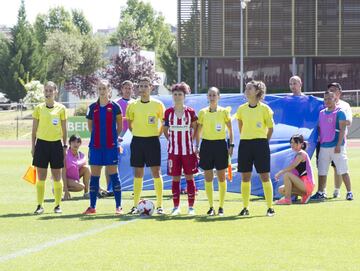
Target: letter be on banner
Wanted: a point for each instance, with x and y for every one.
(78, 125)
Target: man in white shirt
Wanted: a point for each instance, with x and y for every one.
(345, 107)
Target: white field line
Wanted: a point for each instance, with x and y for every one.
(26, 251)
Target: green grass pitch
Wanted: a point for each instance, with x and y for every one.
(318, 236)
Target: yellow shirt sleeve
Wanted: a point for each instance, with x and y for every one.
(238, 113)
(36, 113)
(161, 111)
(63, 114)
(227, 116)
(129, 112)
(201, 117)
(269, 121)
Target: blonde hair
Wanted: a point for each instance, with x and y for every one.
(50, 84)
(104, 82)
(215, 89)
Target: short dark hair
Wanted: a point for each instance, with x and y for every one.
(299, 138)
(185, 88)
(334, 84)
(74, 138)
(127, 82)
(145, 79)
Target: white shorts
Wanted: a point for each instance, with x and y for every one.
(327, 155)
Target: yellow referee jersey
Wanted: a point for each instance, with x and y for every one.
(255, 120)
(214, 123)
(145, 117)
(49, 128)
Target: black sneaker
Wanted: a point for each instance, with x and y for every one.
(211, 211)
(221, 211)
(134, 211)
(160, 211)
(109, 194)
(349, 196)
(57, 210)
(318, 196)
(270, 212)
(244, 212)
(39, 210)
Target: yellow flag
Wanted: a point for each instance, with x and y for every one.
(30, 175)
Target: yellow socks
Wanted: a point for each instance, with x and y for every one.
(58, 188)
(40, 192)
(245, 192)
(222, 192)
(268, 191)
(138, 183)
(209, 188)
(158, 184)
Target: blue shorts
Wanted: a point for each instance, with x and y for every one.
(103, 157)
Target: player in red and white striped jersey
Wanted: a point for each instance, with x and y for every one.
(180, 124)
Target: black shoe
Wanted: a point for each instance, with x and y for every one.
(160, 211)
(221, 211)
(134, 211)
(244, 212)
(270, 212)
(109, 194)
(57, 210)
(39, 210)
(102, 194)
(211, 212)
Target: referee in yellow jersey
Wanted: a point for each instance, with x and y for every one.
(49, 127)
(256, 124)
(145, 122)
(214, 152)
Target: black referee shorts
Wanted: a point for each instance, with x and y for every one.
(145, 151)
(213, 154)
(254, 152)
(48, 152)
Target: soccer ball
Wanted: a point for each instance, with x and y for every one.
(146, 207)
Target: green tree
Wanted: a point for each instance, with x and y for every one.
(80, 22)
(141, 22)
(40, 28)
(168, 60)
(92, 50)
(24, 57)
(4, 62)
(70, 50)
(60, 19)
(64, 55)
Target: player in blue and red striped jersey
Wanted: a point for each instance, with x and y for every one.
(105, 124)
(180, 124)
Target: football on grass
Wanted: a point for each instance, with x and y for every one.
(146, 207)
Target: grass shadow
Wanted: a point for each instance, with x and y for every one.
(206, 218)
(168, 217)
(16, 215)
(82, 217)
